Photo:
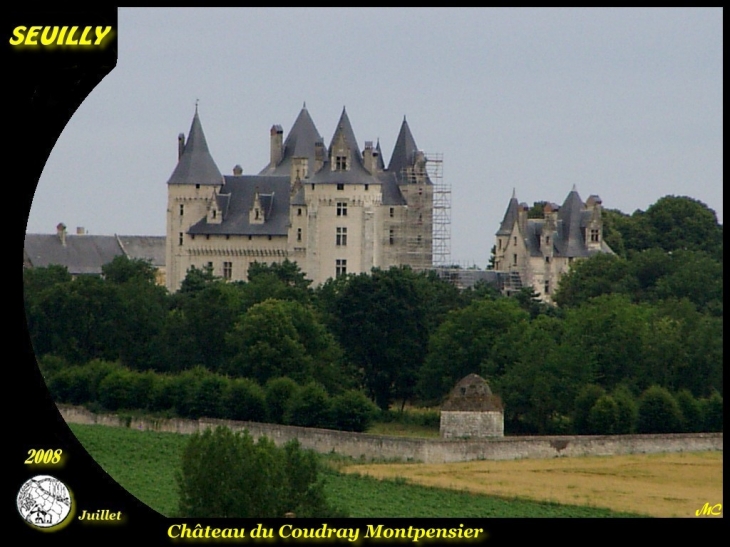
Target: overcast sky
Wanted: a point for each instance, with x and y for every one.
(623, 103)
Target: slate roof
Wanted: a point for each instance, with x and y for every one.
(240, 190)
(196, 165)
(300, 142)
(569, 238)
(86, 254)
(150, 248)
(404, 151)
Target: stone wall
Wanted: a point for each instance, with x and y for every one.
(359, 445)
(457, 424)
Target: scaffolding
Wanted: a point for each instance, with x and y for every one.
(441, 210)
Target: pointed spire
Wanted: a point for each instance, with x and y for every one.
(344, 128)
(405, 149)
(304, 106)
(381, 161)
(570, 213)
(510, 216)
(575, 188)
(196, 165)
(300, 142)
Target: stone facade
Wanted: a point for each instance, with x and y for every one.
(537, 252)
(332, 210)
(472, 411)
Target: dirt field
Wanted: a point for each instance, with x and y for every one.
(661, 485)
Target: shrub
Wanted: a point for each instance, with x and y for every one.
(658, 412)
(309, 407)
(226, 474)
(627, 410)
(279, 392)
(352, 411)
(691, 412)
(584, 401)
(603, 416)
(712, 413)
(244, 399)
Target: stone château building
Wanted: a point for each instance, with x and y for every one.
(331, 209)
(536, 252)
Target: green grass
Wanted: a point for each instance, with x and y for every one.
(144, 463)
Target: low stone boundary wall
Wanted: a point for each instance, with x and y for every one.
(369, 447)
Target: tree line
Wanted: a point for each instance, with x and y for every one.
(648, 318)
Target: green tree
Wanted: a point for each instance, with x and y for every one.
(122, 270)
(658, 412)
(381, 321)
(584, 402)
(598, 275)
(604, 416)
(480, 339)
(226, 474)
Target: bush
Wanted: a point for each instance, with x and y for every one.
(584, 402)
(309, 407)
(244, 399)
(70, 385)
(712, 412)
(279, 392)
(226, 474)
(691, 412)
(352, 411)
(603, 416)
(627, 410)
(658, 412)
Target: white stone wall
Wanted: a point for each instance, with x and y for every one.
(456, 424)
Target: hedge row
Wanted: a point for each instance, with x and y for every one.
(198, 393)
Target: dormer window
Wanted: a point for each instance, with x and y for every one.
(340, 163)
(215, 213)
(595, 235)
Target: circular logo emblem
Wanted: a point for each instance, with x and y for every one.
(44, 501)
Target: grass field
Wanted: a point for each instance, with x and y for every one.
(144, 463)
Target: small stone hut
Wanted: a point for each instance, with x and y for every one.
(472, 411)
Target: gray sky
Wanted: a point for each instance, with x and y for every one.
(623, 103)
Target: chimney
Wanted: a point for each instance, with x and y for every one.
(370, 158)
(61, 232)
(180, 145)
(277, 144)
(318, 155)
(522, 218)
(80, 231)
(238, 170)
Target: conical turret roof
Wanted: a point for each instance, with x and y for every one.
(345, 128)
(405, 149)
(510, 216)
(196, 165)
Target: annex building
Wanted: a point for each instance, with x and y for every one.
(332, 209)
(536, 252)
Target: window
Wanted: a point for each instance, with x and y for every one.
(269, 238)
(340, 163)
(499, 243)
(299, 234)
(340, 267)
(207, 236)
(367, 187)
(420, 191)
(420, 218)
(250, 237)
(341, 209)
(391, 236)
(595, 235)
(256, 212)
(515, 240)
(227, 270)
(228, 236)
(215, 213)
(547, 287)
(547, 260)
(392, 212)
(514, 261)
(312, 186)
(299, 212)
(341, 239)
(340, 186)
(209, 266)
(180, 239)
(419, 239)
(192, 236)
(547, 240)
(182, 209)
(197, 186)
